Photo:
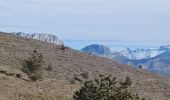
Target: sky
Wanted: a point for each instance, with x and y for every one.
(142, 20)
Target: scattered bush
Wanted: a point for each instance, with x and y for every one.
(62, 47)
(106, 88)
(140, 67)
(33, 66)
(72, 81)
(78, 79)
(18, 76)
(49, 67)
(85, 75)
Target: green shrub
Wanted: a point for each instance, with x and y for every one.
(106, 88)
(33, 66)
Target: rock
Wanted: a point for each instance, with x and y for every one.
(50, 38)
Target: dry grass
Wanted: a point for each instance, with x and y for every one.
(68, 65)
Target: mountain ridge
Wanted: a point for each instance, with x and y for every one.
(154, 60)
(50, 38)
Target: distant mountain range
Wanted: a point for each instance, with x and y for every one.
(143, 53)
(50, 38)
(154, 60)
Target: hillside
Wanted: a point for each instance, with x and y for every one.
(65, 76)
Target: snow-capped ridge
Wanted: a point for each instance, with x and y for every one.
(141, 53)
(165, 48)
(134, 54)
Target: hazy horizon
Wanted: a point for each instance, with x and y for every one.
(115, 45)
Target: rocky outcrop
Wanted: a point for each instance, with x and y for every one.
(50, 38)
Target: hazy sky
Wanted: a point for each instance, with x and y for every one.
(89, 19)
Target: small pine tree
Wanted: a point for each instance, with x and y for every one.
(140, 66)
(106, 88)
(33, 66)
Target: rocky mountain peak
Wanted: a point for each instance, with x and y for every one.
(98, 50)
(50, 38)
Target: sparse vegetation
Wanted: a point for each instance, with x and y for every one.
(140, 67)
(18, 75)
(60, 81)
(78, 79)
(72, 81)
(49, 67)
(33, 66)
(85, 75)
(63, 47)
(106, 88)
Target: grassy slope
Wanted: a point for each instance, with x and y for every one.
(66, 65)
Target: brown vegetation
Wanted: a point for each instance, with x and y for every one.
(66, 64)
